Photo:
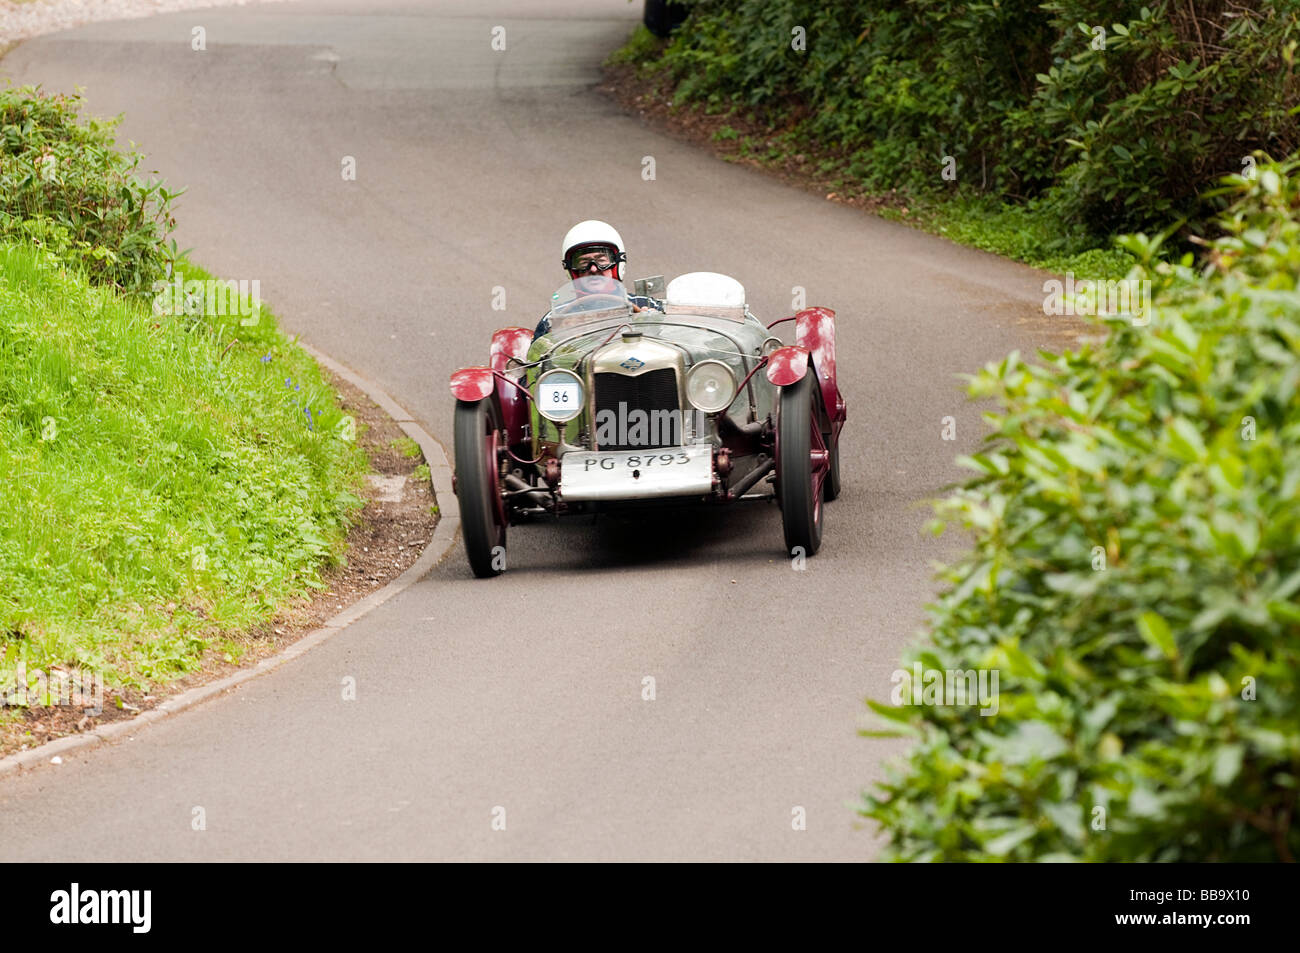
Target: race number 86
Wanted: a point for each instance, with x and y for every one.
(559, 395)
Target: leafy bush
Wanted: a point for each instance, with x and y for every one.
(1180, 94)
(65, 187)
(1118, 138)
(1133, 579)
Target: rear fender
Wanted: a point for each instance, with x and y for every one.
(508, 343)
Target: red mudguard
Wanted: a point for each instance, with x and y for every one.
(472, 383)
(815, 331)
(787, 365)
(508, 343)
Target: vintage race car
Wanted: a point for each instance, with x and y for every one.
(689, 399)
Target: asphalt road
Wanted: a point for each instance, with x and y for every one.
(525, 692)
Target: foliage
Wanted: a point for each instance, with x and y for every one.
(1027, 232)
(1178, 97)
(63, 186)
(1124, 137)
(1133, 579)
(642, 46)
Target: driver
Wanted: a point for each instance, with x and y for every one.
(594, 248)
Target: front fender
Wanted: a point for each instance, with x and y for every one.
(787, 365)
(472, 383)
(815, 330)
(508, 343)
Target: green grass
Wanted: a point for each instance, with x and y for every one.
(406, 447)
(1019, 232)
(165, 481)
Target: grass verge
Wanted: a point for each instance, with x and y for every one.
(164, 478)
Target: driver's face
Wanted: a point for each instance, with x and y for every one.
(592, 263)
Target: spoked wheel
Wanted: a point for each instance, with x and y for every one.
(802, 464)
(478, 487)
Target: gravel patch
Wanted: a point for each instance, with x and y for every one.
(21, 21)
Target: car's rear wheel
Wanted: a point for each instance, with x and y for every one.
(478, 487)
(801, 466)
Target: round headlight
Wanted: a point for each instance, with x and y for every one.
(710, 386)
(559, 395)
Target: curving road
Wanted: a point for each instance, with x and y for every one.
(525, 692)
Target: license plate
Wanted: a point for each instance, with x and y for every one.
(636, 474)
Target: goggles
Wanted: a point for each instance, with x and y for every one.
(592, 260)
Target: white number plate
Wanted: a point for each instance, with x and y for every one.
(560, 397)
(636, 474)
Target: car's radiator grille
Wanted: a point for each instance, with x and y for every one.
(651, 391)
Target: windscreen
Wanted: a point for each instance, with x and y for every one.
(587, 300)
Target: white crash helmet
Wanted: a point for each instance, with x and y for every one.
(589, 236)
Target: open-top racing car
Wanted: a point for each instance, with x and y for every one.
(615, 405)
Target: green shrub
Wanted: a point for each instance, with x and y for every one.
(1133, 579)
(64, 187)
(1180, 94)
(1123, 138)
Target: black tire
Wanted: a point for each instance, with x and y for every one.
(801, 506)
(478, 487)
(661, 16)
(831, 488)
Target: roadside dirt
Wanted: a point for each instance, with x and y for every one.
(391, 531)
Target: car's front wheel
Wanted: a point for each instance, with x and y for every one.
(832, 489)
(802, 462)
(478, 487)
